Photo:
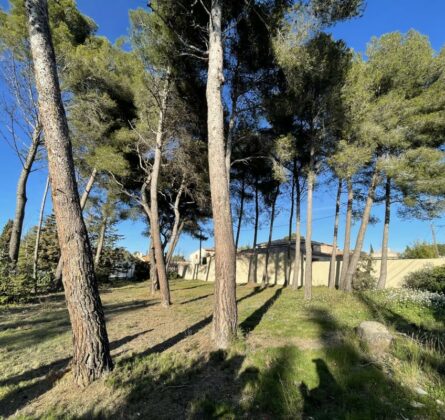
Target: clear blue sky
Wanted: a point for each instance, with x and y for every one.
(380, 16)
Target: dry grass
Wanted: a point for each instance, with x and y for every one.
(294, 359)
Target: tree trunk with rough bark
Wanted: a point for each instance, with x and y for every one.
(173, 244)
(241, 211)
(297, 257)
(83, 202)
(354, 259)
(225, 314)
(253, 261)
(265, 279)
(384, 263)
(153, 271)
(155, 231)
(333, 266)
(38, 233)
(91, 353)
(347, 242)
(308, 240)
(21, 198)
(287, 279)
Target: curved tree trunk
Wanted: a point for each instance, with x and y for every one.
(253, 261)
(155, 231)
(347, 242)
(83, 202)
(175, 231)
(354, 259)
(38, 233)
(21, 198)
(91, 353)
(225, 311)
(173, 244)
(297, 257)
(384, 263)
(265, 279)
(333, 266)
(308, 240)
(241, 211)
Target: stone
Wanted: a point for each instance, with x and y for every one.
(375, 336)
(420, 391)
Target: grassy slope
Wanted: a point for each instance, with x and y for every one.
(295, 359)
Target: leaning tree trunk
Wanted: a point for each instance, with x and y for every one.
(155, 231)
(91, 353)
(269, 242)
(38, 233)
(83, 202)
(333, 266)
(384, 263)
(21, 198)
(253, 261)
(347, 242)
(176, 224)
(174, 242)
(241, 211)
(297, 233)
(354, 259)
(308, 240)
(100, 241)
(225, 311)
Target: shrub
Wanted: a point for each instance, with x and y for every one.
(429, 278)
(364, 276)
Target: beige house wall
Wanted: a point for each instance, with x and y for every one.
(278, 269)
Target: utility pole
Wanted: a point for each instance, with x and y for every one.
(433, 233)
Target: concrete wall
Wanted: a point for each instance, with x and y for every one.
(278, 269)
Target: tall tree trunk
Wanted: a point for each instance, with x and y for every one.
(100, 240)
(225, 311)
(155, 231)
(38, 233)
(347, 242)
(21, 198)
(384, 263)
(291, 219)
(91, 353)
(355, 257)
(297, 257)
(241, 210)
(173, 244)
(308, 240)
(231, 129)
(176, 224)
(333, 266)
(269, 241)
(83, 202)
(253, 262)
(153, 271)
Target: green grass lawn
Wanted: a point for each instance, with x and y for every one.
(293, 359)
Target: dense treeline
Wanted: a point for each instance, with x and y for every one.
(216, 110)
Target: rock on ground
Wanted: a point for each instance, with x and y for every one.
(375, 335)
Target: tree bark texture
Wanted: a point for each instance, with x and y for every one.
(21, 198)
(297, 257)
(225, 309)
(100, 240)
(91, 353)
(153, 271)
(155, 231)
(308, 241)
(355, 257)
(38, 233)
(287, 279)
(174, 243)
(83, 202)
(333, 266)
(265, 279)
(176, 225)
(384, 262)
(347, 242)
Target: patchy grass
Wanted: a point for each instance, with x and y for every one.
(293, 359)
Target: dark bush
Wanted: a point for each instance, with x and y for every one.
(428, 278)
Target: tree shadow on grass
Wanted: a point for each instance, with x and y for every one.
(42, 380)
(196, 299)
